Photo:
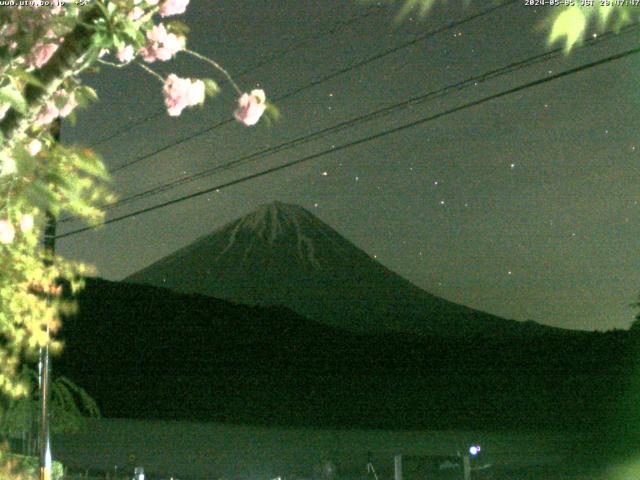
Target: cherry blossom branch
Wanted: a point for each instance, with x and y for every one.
(148, 70)
(112, 64)
(69, 59)
(216, 66)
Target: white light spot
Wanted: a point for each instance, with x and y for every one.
(357, 178)
(324, 174)
(441, 202)
(509, 272)
(512, 166)
(315, 205)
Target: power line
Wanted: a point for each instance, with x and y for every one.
(272, 58)
(369, 138)
(321, 80)
(475, 80)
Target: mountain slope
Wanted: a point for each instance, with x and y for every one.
(147, 352)
(281, 254)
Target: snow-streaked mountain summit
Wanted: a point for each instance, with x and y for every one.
(281, 254)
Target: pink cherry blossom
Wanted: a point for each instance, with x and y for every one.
(161, 45)
(50, 111)
(126, 54)
(173, 7)
(180, 93)
(7, 232)
(69, 106)
(41, 53)
(47, 115)
(251, 106)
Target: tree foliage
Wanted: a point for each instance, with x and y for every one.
(70, 406)
(44, 49)
(568, 21)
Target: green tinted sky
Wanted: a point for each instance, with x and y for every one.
(526, 207)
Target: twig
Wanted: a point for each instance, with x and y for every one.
(217, 67)
(148, 70)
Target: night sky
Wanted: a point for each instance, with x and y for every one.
(525, 207)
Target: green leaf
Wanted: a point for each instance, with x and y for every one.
(41, 196)
(85, 94)
(111, 8)
(117, 42)
(90, 163)
(11, 95)
(570, 23)
(72, 118)
(272, 111)
(25, 163)
(178, 27)
(423, 7)
(28, 77)
(211, 87)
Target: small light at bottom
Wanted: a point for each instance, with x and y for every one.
(474, 449)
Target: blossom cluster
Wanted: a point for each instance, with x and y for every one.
(182, 92)
(60, 105)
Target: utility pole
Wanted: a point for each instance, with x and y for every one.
(45, 362)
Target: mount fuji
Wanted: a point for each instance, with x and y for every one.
(281, 254)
